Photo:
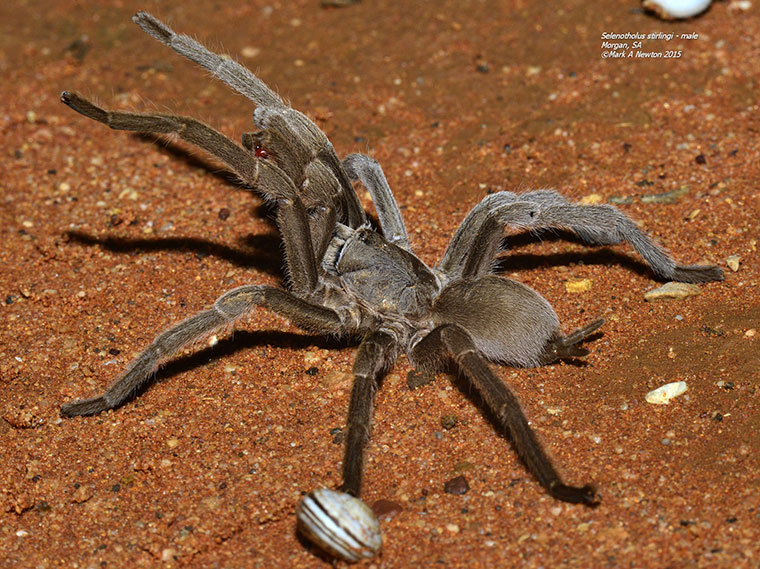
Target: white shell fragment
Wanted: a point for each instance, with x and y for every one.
(733, 262)
(663, 395)
(676, 9)
(679, 291)
(339, 524)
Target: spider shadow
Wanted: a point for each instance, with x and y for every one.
(193, 157)
(239, 341)
(260, 252)
(600, 255)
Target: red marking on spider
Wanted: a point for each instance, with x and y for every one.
(261, 152)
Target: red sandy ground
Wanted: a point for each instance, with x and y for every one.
(109, 237)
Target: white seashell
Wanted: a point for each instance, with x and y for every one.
(663, 395)
(676, 9)
(339, 524)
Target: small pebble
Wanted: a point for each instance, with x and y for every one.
(415, 379)
(463, 466)
(733, 262)
(675, 290)
(386, 509)
(667, 197)
(591, 199)
(337, 379)
(457, 486)
(662, 395)
(578, 285)
(448, 422)
(249, 52)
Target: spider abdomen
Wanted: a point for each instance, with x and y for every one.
(508, 321)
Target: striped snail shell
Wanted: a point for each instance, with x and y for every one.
(339, 524)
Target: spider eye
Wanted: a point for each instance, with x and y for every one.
(260, 151)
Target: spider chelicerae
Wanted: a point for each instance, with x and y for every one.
(346, 278)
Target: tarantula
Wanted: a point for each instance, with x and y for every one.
(349, 279)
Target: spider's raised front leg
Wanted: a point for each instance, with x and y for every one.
(227, 70)
(229, 307)
(376, 354)
(370, 174)
(452, 339)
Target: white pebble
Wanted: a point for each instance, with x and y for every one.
(663, 395)
(676, 9)
(675, 290)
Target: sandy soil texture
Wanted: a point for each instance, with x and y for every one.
(110, 237)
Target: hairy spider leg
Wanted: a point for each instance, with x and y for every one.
(376, 354)
(369, 172)
(226, 310)
(454, 340)
(594, 224)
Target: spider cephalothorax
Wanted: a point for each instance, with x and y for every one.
(349, 279)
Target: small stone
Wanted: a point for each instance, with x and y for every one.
(700, 159)
(457, 486)
(172, 443)
(311, 357)
(675, 290)
(224, 214)
(733, 262)
(249, 52)
(386, 509)
(168, 554)
(662, 395)
(337, 379)
(453, 528)
(82, 494)
(667, 197)
(591, 199)
(416, 378)
(750, 333)
(742, 5)
(338, 435)
(463, 466)
(578, 285)
(448, 422)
